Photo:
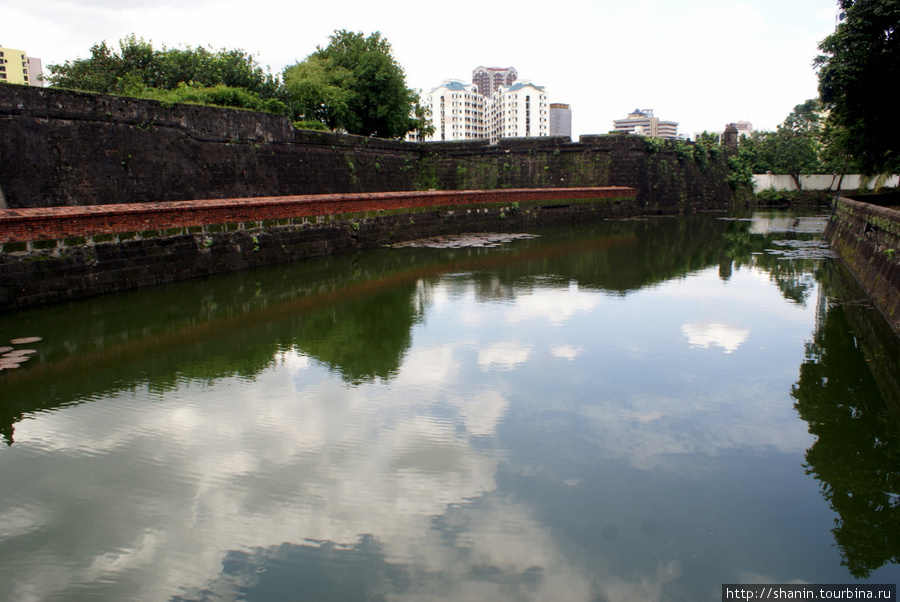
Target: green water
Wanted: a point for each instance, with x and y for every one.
(633, 410)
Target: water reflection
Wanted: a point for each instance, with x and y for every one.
(593, 415)
(855, 456)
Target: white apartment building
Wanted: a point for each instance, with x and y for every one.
(518, 111)
(457, 111)
(460, 112)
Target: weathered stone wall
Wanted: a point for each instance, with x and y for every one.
(68, 148)
(867, 239)
(664, 178)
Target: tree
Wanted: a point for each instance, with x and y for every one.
(354, 84)
(859, 72)
(793, 148)
(137, 65)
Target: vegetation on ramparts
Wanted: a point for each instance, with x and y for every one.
(352, 85)
(227, 78)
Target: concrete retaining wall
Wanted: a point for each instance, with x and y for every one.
(781, 182)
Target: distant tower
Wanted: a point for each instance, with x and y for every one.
(730, 136)
(489, 79)
(560, 119)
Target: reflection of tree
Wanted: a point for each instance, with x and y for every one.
(856, 455)
(362, 339)
(794, 278)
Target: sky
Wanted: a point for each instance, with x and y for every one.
(701, 63)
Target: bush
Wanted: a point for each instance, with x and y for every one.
(309, 124)
(219, 96)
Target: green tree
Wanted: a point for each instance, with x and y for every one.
(793, 148)
(858, 73)
(354, 84)
(138, 66)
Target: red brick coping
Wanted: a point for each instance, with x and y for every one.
(18, 225)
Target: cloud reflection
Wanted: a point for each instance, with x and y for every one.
(554, 305)
(504, 356)
(715, 334)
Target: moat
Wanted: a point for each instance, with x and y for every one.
(641, 409)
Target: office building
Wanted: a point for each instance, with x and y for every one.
(644, 123)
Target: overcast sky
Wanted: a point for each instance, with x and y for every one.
(702, 63)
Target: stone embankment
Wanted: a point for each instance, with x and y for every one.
(866, 237)
(61, 253)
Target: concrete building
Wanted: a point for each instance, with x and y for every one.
(489, 79)
(643, 123)
(460, 112)
(744, 128)
(457, 111)
(17, 68)
(36, 70)
(560, 119)
(518, 111)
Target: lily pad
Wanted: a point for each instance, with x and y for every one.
(457, 241)
(20, 353)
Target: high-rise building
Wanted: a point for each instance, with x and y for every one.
(489, 79)
(560, 119)
(518, 111)
(17, 68)
(457, 111)
(643, 123)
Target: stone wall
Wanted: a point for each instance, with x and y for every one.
(61, 148)
(867, 239)
(135, 246)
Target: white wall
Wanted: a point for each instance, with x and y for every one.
(813, 182)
